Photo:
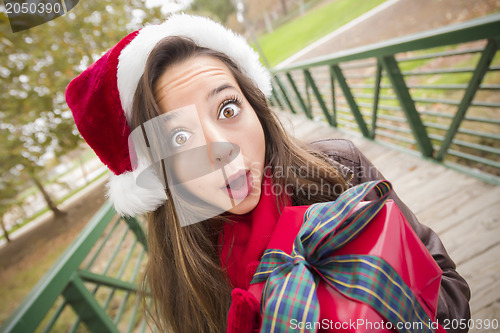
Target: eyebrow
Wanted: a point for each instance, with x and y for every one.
(171, 115)
(217, 90)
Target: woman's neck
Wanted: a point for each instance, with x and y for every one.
(245, 237)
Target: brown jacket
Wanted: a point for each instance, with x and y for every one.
(454, 295)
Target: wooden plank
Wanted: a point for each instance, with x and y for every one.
(473, 237)
(405, 166)
(460, 207)
(419, 177)
(306, 130)
(483, 275)
(319, 133)
(486, 316)
(423, 187)
(422, 175)
(424, 192)
(294, 125)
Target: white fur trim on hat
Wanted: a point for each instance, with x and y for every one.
(130, 199)
(205, 33)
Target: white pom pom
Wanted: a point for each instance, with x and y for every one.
(131, 199)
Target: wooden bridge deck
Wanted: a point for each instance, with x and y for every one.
(464, 211)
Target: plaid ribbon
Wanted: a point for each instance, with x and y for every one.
(291, 280)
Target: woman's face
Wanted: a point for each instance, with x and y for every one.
(216, 142)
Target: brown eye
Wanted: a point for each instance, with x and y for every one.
(181, 138)
(229, 111)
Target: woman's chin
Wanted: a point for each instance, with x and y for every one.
(245, 206)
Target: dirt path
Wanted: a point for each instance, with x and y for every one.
(32, 243)
(24, 260)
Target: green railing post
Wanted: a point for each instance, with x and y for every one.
(38, 302)
(399, 86)
(285, 94)
(307, 112)
(350, 100)
(275, 95)
(87, 308)
(67, 278)
(376, 93)
(315, 89)
(104, 280)
(138, 231)
(481, 69)
(308, 95)
(334, 104)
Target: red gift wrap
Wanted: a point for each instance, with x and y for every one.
(388, 236)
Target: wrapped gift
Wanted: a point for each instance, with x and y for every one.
(347, 266)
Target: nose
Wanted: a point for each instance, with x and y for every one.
(220, 150)
(221, 153)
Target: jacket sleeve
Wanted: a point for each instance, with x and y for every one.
(454, 294)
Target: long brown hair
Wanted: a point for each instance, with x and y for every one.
(190, 290)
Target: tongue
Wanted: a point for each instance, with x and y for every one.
(237, 183)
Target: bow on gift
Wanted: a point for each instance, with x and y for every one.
(291, 280)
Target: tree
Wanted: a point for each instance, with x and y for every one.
(36, 65)
(284, 7)
(214, 8)
(11, 178)
(7, 193)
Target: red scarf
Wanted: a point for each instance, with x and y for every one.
(245, 237)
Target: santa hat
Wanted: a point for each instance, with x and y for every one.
(101, 99)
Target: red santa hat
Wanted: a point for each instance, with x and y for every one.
(101, 99)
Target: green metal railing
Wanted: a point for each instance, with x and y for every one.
(94, 284)
(435, 93)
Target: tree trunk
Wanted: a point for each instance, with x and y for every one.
(284, 7)
(46, 196)
(5, 232)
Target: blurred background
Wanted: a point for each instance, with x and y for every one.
(51, 183)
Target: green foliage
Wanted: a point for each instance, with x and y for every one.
(220, 9)
(36, 65)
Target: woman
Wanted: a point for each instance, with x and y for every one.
(211, 165)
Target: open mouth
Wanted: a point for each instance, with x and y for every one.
(239, 185)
